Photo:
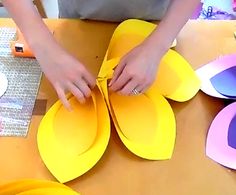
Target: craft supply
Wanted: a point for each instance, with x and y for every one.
(23, 76)
(3, 84)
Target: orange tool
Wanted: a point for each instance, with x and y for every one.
(20, 47)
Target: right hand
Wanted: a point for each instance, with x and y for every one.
(65, 73)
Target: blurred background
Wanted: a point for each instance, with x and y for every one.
(50, 7)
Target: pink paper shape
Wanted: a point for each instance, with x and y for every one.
(206, 72)
(217, 147)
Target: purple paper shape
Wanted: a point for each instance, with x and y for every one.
(206, 72)
(217, 147)
(225, 82)
(232, 133)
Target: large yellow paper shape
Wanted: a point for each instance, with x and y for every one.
(176, 79)
(127, 35)
(145, 123)
(154, 141)
(34, 186)
(71, 143)
(48, 191)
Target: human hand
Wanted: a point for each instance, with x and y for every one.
(136, 71)
(66, 73)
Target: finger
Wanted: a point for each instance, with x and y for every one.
(145, 86)
(118, 70)
(76, 92)
(84, 88)
(127, 89)
(62, 97)
(136, 92)
(120, 82)
(90, 80)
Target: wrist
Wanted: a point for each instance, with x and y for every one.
(157, 44)
(39, 41)
(154, 50)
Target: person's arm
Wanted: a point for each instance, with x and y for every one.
(176, 17)
(137, 70)
(64, 71)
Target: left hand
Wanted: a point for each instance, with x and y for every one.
(136, 71)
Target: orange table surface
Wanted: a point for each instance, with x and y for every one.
(189, 172)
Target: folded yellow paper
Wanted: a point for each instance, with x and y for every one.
(71, 143)
(146, 123)
(176, 79)
(35, 187)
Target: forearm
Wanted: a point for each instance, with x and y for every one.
(29, 22)
(177, 15)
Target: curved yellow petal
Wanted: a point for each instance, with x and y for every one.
(49, 191)
(145, 123)
(176, 79)
(146, 127)
(71, 143)
(131, 32)
(21, 186)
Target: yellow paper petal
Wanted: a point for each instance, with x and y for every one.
(148, 126)
(20, 186)
(130, 32)
(130, 111)
(176, 79)
(71, 143)
(145, 123)
(49, 191)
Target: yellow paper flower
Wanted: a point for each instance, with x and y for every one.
(71, 143)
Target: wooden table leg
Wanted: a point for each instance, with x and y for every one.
(40, 8)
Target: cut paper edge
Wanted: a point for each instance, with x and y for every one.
(217, 147)
(3, 84)
(209, 70)
(62, 165)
